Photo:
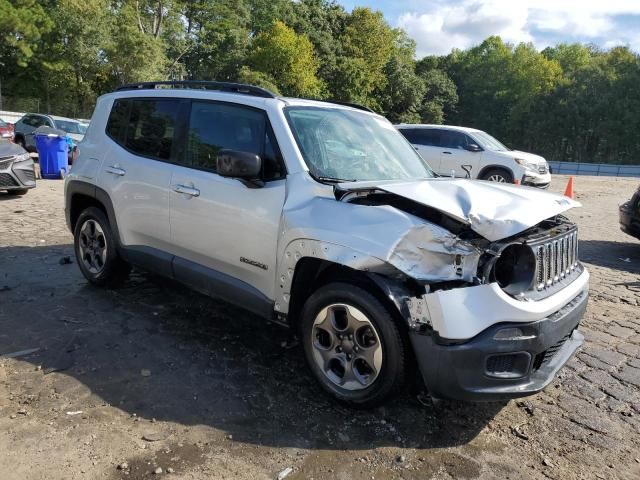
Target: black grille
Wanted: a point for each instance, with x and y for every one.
(7, 180)
(5, 162)
(545, 357)
(500, 363)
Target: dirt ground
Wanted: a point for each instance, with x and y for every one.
(155, 376)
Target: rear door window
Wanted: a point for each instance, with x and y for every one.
(151, 127)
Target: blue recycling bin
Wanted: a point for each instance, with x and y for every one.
(53, 155)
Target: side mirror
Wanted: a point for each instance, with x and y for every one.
(472, 147)
(242, 165)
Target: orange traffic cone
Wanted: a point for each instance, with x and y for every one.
(568, 192)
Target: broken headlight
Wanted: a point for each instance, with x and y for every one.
(515, 269)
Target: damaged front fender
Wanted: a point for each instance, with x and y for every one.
(429, 253)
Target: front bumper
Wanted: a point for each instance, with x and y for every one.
(534, 179)
(17, 175)
(630, 220)
(486, 369)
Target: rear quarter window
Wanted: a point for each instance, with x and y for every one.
(118, 119)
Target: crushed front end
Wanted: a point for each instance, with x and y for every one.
(509, 333)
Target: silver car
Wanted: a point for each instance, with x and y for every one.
(322, 217)
(17, 175)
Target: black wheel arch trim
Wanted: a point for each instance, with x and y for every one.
(79, 187)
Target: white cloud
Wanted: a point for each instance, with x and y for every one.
(441, 26)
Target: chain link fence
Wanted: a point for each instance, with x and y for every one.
(54, 106)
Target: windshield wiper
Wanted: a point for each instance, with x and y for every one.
(333, 179)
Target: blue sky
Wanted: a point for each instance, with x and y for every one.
(437, 26)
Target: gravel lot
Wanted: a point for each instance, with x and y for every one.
(156, 376)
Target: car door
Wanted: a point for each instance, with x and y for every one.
(32, 123)
(136, 173)
(455, 159)
(224, 232)
(425, 141)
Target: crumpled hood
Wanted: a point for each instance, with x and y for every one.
(493, 210)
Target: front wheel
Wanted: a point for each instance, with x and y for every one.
(96, 250)
(353, 345)
(498, 175)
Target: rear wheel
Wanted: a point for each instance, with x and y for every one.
(499, 175)
(353, 345)
(96, 250)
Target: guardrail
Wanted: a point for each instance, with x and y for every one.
(596, 169)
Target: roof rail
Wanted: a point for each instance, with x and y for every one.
(201, 84)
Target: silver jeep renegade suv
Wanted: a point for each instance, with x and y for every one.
(322, 217)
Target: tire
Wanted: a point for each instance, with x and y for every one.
(20, 141)
(96, 254)
(328, 355)
(494, 174)
(21, 191)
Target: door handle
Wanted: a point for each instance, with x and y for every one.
(194, 192)
(447, 153)
(115, 170)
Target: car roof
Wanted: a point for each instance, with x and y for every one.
(438, 127)
(236, 97)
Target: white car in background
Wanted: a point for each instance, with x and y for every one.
(467, 152)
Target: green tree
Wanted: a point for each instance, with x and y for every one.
(401, 96)
(22, 24)
(323, 21)
(217, 39)
(134, 52)
(368, 44)
(288, 59)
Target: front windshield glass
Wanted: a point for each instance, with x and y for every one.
(344, 145)
(68, 126)
(3, 123)
(487, 142)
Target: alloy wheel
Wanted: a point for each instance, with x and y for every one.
(496, 177)
(93, 246)
(346, 347)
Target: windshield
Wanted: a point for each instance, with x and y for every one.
(487, 142)
(69, 126)
(339, 144)
(3, 123)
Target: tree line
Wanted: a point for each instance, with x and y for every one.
(570, 102)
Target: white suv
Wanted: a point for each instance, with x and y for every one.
(322, 217)
(467, 152)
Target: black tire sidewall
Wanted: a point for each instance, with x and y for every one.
(392, 374)
(107, 274)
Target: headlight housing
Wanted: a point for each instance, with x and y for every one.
(526, 164)
(23, 157)
(515, 269)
